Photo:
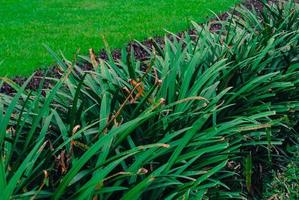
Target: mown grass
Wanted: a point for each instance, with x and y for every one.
(69, 25)
(205, 116)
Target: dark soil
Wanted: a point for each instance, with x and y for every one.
(139, 52)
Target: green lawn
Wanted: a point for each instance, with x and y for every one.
(69, 25)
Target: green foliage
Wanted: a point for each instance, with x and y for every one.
(190, 122)
(284, 182)
(73, 25)
(285, 185)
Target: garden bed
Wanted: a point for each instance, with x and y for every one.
(201, 115)
(139, 52)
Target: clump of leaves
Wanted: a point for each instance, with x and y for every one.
(191, 121)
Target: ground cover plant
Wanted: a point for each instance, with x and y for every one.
(69, 25)
(285, 184)
(205, 116)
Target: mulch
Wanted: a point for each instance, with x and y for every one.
(139, 52)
